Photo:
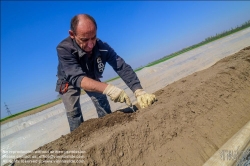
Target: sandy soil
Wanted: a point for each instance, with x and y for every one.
(191, 120)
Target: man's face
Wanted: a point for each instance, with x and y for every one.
(85, 35)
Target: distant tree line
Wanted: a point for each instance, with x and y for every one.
(225, 33)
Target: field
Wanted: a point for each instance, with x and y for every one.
(191, 120)
(207, 40)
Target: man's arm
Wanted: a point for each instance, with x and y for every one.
(91, 85)
(122, 68)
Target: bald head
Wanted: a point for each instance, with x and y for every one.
(81, 19)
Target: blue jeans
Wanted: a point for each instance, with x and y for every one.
(71, 101)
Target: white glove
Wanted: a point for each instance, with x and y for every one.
(117, 94)
(144, 99)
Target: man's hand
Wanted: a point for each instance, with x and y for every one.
(144, 99)
(117, 94)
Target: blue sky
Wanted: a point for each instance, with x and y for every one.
(139, 31)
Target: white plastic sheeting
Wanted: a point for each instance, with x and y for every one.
(31, 132)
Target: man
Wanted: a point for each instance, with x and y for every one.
(82, 58)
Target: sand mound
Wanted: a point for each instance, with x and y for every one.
(191, 120)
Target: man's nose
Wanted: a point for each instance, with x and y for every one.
(90, 44)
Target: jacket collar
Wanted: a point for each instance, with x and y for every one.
(81, 53)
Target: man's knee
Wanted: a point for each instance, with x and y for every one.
(74, 121)
(75, 118)
(71, 101)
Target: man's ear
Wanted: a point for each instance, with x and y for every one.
(71, 34)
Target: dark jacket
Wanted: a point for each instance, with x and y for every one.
(73, 64)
